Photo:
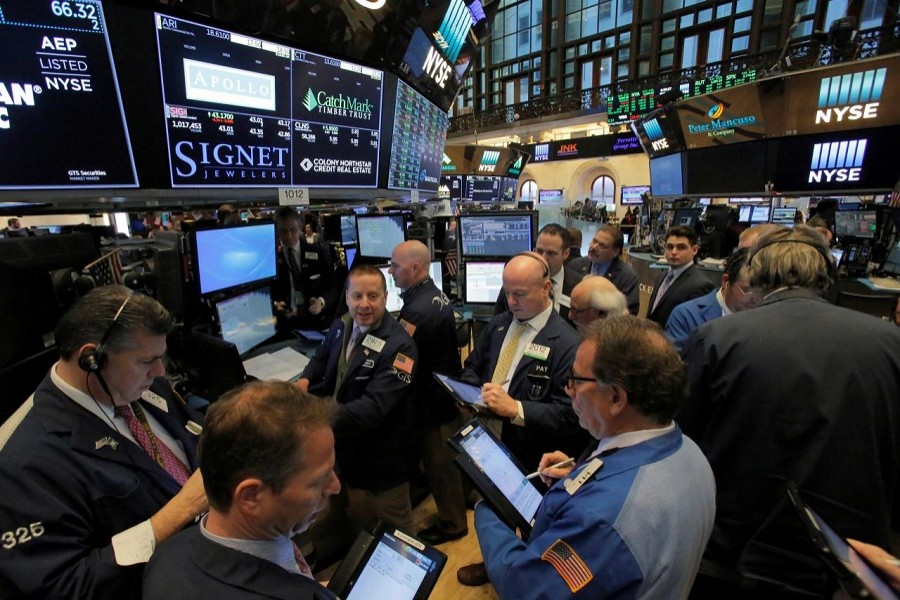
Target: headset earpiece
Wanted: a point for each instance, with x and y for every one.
(92, 361)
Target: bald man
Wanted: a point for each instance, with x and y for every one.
(595, 298)
(749, 236)
(428, 317)
(521, 360)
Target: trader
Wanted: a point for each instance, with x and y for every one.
(98, 466)
(683, 281)
(267, 452)
(428, 317)
(520, 360)
(794, 390)
(367, 363)
(595, 298)
(631, 520)
(303, 292)
(553, 246)
(733, 296)
(605, 259)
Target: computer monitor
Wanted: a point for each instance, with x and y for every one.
(246, 319)
(631, 194)
(436, 270)
(745, 213)
(348, 229)
(495, 234)
(856, 223)
(394, 302)
(227, 257)
(378, 235)
(484, 280)
(784, 216)
(350, 254)
(686, 217)
(760, 214)
(892, 262)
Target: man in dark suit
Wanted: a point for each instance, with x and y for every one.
(367, 362)
(303, 292)
(521, 360)
(267, 451)
(734, 296)
(99, 466)
(553, 245)
(683, 281)
(605, 259)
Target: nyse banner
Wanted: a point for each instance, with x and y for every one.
(57, 83)
(244, 112)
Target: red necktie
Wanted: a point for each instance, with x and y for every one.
(301, 562)
(134, 417)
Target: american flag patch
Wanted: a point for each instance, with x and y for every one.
(404, 363)
(568, 564)
(409, 327)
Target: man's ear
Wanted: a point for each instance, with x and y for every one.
(619, 400)
(250, 494)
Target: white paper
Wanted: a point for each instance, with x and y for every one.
(283, 365)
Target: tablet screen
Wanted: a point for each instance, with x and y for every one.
(465, 392)
(395, 569)
(494, 461)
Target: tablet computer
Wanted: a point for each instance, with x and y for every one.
(310, 335)
(856, 575)
(465, 393)
(388, 563)
(497, 475)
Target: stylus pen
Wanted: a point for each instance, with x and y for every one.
(559, 465)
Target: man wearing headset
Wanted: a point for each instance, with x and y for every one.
(99, 464)
(794, 390)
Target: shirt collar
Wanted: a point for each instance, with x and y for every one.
(631, 438)
(720, 298)
(539, 321)
(279, 551)
(408, 291)
(102, 411)
(676, 273)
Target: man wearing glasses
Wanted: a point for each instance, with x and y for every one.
(303, 292)
(734, 296)
(595, 298)
(633, 515)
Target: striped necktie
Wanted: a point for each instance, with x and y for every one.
(139, 426)
(507, 354)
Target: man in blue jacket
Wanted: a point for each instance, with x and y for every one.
(632, 517)
(99, 464)
(367, 363)
(733, 296)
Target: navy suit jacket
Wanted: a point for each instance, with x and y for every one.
(550, 422)
(689, 316)
(373, 401)
(317, 281)
(620, 274)
(690, 284)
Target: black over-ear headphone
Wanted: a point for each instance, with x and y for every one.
(95, 359)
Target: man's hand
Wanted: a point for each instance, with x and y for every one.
(180, 510)
(549, 476)
(316, 305)
(496, 399)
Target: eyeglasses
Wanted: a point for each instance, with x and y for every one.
(745, 290)
(571, 378)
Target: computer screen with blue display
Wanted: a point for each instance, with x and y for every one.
(784, 216)
(378, 235)
(495, 234)
(228, 257)
(760, 214)
(246, 320)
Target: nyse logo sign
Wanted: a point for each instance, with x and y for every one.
(453, 29)
(489, 161)
(657, 139)
(542, 152)
(850, 97)
(837, 161)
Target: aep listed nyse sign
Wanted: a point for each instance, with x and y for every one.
(59, 99)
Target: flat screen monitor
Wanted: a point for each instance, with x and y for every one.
(631, 194)
(58, 83)
(246, 320)
(495, 234)
(246, 112)
(760, 214)
(860, 224)
(436, 270)
(784, 216)
(417, 145)
(892, 263)
(666, 176)
(394, 302)
(350, 254)
(228, 257)
(686, 217)
(378, 235)
(482, 188)
(484, 280)
(348, 229)
(550, 196)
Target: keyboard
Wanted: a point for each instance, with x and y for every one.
(885, 283)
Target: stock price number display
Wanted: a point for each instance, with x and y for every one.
(61, 120)
(417, 148)
(243, 112)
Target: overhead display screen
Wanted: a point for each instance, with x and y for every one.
(244, 112)
(659, 132)
(57, 83)
(725, 117)
(417, 146)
